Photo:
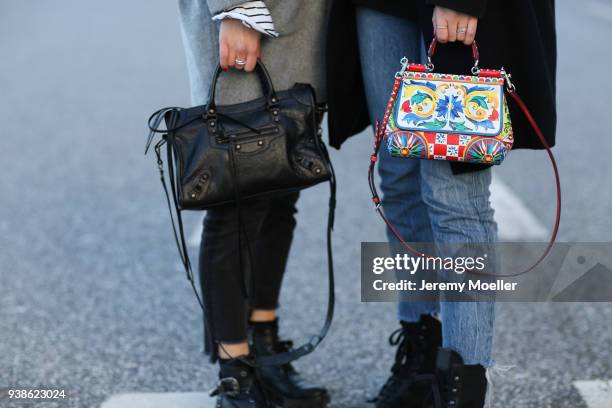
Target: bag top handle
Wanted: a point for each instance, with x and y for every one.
(432, 49)
(264, 79)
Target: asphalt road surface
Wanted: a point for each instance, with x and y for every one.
(92, 298)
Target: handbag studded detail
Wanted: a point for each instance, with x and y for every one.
(225, 155)
(457, 118)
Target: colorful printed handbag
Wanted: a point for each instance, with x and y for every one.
(450, 117)
(462, 118)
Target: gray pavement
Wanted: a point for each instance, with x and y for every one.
(91, 296)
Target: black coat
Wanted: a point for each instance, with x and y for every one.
(518, 35)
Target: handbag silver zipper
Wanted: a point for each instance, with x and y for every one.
(246, 134)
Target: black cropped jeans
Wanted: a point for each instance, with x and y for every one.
(236, 282)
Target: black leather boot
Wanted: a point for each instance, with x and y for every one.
(414, 367)
(458, 385)
(283, 385)
(238, 387)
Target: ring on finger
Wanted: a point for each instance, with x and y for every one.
(240, 62)
(461, 30)
(441, 27)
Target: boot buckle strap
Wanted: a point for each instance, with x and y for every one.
(228, 386)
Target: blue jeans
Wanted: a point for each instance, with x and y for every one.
(424, 200)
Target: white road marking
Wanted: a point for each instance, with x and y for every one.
(599, 10)
(596, 394)
(160, 400)
(515, 221)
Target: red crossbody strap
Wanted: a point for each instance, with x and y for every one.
(553, 162)
(379, 135)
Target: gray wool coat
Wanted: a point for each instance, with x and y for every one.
(297, 55)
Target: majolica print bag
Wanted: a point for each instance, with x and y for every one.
(460, 118)
(450, 117)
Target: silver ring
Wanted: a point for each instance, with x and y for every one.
(240, 61)
(461, 30)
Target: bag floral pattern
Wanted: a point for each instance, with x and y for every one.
(450, 117)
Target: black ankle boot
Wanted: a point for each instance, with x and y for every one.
(415, 359)
(458, 385)
(238, 386)
(282, 384)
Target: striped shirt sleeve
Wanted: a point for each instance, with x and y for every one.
(253, 14)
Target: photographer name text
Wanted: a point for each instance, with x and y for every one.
(426, 286)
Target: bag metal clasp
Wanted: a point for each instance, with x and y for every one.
(404, 61)
(509, 85)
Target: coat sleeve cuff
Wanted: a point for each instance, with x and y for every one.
(474, 8)
(218, 6)
(252, 14)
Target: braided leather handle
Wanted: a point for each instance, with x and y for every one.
(434, 43)
(432, 50)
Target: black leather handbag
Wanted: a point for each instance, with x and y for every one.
(224, 155)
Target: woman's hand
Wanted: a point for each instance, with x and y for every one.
(451, 25)
(239, 46)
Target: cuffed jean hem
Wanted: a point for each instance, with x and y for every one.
(234, 342)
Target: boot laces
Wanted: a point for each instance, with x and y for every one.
(405, 362)
(438, 395)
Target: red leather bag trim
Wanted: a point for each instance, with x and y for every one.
(417, 67)
(496, 73)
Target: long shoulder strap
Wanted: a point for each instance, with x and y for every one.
(553, 162)
(379, 136)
